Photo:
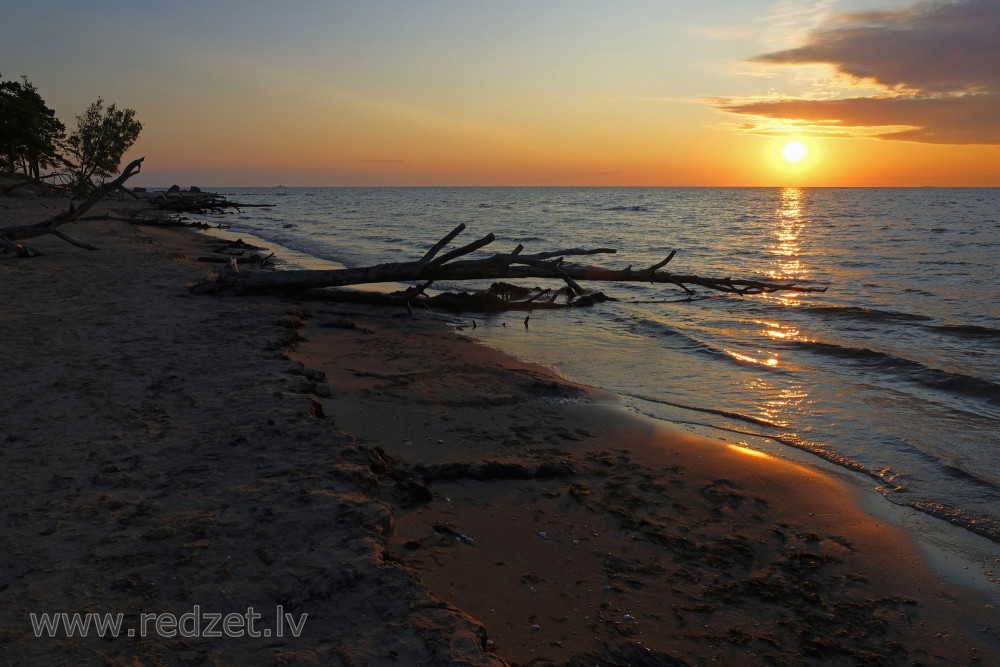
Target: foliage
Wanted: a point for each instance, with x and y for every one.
(30, 133)
(32, 139)
(96, 147)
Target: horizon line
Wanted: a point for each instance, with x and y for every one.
(703, 187)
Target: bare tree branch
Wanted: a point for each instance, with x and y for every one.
(500, 266)
(51, 226)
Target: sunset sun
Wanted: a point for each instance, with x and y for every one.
(793, 152)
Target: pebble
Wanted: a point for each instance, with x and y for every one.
(542, 534)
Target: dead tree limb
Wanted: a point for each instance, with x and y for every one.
(197, 202)
(455, 266)
(9, 235)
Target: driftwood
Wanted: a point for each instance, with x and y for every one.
(503, 266)
(9, 235)
(498, 298)
(197, 202)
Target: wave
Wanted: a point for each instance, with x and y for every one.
(970, 331)
(878, 316)
(681, 339)
(729, 414)
(864, 314)
(953, 470)
(638, 209)
(908, 370)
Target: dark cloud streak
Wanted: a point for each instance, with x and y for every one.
(939, 63)
(969, 119)
(931, 48)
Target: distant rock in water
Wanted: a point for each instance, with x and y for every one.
(194, 188)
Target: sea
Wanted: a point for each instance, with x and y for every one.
(892, 375)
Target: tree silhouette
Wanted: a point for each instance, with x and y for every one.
(30, 134)
(96, 147)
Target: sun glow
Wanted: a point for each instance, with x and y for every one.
(794, 152)
(750, 452)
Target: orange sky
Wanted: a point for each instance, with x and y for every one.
(640, 92)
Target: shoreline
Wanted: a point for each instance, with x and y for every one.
(304, 481)
(466, 530)
(966, 555)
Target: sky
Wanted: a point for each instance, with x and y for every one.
(530, 92)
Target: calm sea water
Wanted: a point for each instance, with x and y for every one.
(893, 373)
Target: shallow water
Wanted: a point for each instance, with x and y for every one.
(893, 373)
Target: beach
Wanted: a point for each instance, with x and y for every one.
(379, 489)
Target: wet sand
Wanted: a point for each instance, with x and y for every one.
(579, 533)
(424, 499)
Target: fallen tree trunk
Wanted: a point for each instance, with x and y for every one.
(9, 235)
(503, 266)
(198, 202)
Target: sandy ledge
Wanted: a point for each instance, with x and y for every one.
(424, 499)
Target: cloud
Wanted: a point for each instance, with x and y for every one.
(937, 64)
(790, 21)
(931, 48)
(968, 119)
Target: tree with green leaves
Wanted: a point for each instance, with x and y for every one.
(30, 134)
(96, 147)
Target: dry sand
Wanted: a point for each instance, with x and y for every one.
(424, 499)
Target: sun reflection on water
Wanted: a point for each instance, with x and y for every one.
(770, 377)
(790, 226)
(777, 405)
(739, 356)
(780, 400)
(778, 330)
